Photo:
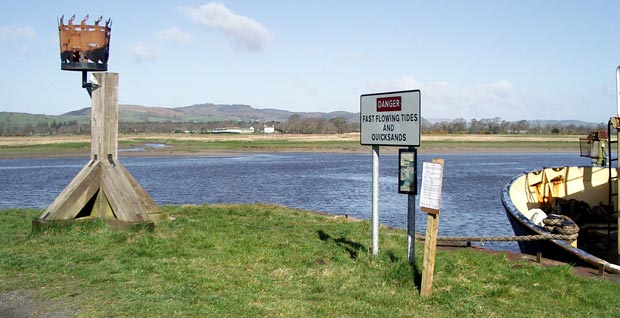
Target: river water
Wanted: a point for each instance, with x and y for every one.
(331, 183)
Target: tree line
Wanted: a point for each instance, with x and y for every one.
(69, 127)
(297, 124)
(498, 126)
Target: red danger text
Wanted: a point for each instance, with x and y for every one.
(388, 104)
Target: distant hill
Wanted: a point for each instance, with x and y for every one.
(531, 123)
(234, 112)
(20, 123)
(208, 112)
(79, 112)
(547, 123)
(22, 119)
(248, 113)
(211, 112)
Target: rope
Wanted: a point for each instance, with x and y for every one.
(521, 238)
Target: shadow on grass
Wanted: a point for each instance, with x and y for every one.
(417, 275)
(415, 270)
(351, 247)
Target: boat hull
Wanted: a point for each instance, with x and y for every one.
(535, 189)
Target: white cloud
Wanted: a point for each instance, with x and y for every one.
(150, 49)
(445, 100)
(399, 84)
(19, 37)
(143, 52)
(501, 89)
(17, 34)
(173, 34)
(246, 33)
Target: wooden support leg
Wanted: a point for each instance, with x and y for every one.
(104, 188)
(76, 195)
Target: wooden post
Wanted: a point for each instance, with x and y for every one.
(103, 188)
(430, 247)
(430, 201)
(104, 116)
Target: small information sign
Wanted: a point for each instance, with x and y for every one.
(432, 179)
(407, 171)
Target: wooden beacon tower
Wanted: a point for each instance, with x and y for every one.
(103, 189)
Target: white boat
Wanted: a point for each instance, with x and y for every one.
(530, 197)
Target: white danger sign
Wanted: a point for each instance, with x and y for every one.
(390, 119)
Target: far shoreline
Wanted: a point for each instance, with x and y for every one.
(183, 145)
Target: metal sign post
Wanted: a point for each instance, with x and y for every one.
(408, 184)
(411, 228)
(375, 200)
(389, 119)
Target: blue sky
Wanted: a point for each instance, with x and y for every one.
(470, 59)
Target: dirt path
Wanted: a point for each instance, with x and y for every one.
(581, 271)
(20, 304)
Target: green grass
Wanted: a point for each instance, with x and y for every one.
(271, 261)
(47, 147)
(180, 145)
(46, 150)
(349, 145)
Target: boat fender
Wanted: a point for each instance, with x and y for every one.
(537, 216)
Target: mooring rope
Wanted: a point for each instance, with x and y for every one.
(603, 265)
(520, 238)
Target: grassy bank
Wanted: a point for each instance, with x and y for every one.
(184, 144)
(271, 261)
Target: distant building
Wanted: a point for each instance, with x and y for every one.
(233, 130)
(269, 129)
